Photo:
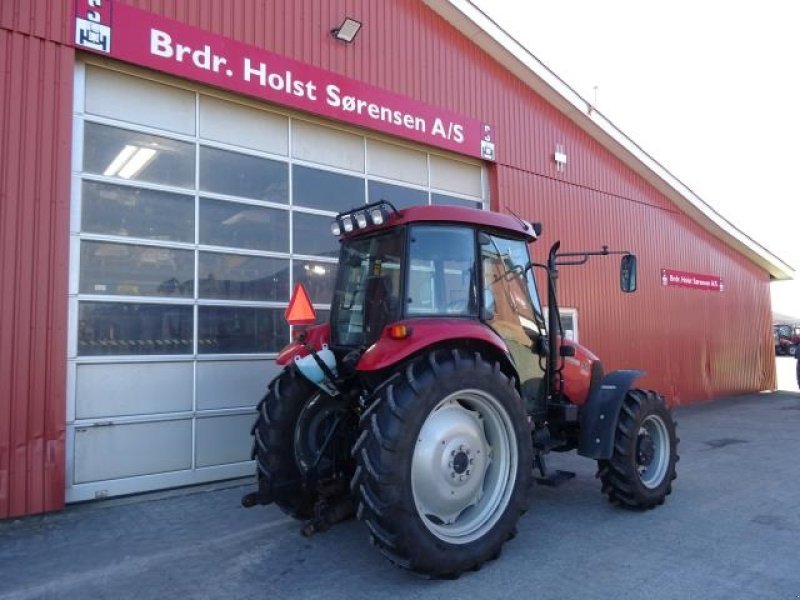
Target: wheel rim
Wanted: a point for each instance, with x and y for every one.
(652, 451)
(464, 466)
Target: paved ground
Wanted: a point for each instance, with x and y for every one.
(730, 530)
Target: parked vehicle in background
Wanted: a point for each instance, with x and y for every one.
(787, 339)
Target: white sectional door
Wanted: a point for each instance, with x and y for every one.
(193, 215)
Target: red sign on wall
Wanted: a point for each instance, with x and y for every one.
(148, 40)
(710, 283)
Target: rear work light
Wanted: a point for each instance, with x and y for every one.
(375, 213)
(376, 216)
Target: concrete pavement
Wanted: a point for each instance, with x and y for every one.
(731, 529)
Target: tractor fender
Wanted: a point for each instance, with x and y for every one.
(426, 333)
(600, 415)
(313, 337)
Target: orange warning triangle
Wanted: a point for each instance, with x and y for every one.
(300, 311)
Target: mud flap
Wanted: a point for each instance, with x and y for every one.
(600, 415)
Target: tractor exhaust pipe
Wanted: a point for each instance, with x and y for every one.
(553, 319)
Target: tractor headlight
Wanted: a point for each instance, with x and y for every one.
(347, 223)
(361, 220)
(335, 229)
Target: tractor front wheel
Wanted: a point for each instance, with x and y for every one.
(443, 464)
(639, 475)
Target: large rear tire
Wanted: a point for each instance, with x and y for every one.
(639, 475)
(274, 444)
(443, 464)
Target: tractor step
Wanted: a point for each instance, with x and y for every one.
(555, 478)
(549, 478)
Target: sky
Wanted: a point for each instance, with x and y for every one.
(710, 89)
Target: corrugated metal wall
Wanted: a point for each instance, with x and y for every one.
(694, 344)
(35, 124)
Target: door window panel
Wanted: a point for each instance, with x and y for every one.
(114, 328)
(319, 279)
(137, 156)
(240, 330)
(441, 199)
(234, 174)
(127, 269)
(401, 197)
(238, 225)
(240, 277)
(508, 309)
(135, 212)
(314, 188)
(312, 235)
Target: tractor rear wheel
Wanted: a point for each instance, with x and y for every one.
(443, 464)
(639, 475)
(273, 433)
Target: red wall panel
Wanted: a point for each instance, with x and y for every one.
(694, 345)
(35, 96)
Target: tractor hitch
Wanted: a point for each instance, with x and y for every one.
(334, 506)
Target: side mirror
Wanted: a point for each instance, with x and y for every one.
(627, 273)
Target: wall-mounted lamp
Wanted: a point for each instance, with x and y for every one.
(560, 156)
(347, 31)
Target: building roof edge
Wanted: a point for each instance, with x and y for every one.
(476, 25)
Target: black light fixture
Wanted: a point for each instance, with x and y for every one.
(347, 31)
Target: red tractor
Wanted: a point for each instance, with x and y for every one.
(437, 387)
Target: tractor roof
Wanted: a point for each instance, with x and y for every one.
(453, 214)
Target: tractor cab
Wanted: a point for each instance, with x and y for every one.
(429, 263)
(438, 274)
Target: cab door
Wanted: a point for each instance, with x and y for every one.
(510, 306)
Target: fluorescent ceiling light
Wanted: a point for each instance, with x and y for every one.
(137, 162)
(130, 161)
(347, 31)
(119, 160)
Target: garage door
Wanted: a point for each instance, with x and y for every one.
(193, 215)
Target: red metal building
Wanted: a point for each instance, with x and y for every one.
(111, 383)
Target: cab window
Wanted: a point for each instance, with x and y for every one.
(441, 274)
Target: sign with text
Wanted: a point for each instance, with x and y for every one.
(696, 281)
(145, 39)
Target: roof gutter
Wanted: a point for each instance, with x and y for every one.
(492, 39)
